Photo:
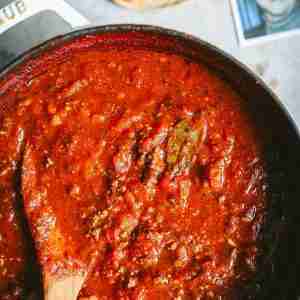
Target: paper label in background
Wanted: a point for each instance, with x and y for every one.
(26, 23)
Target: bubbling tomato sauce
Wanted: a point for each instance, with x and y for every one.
(144, 162)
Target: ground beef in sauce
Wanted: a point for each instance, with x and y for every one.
(146, 162)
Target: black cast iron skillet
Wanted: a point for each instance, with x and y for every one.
(279, 266)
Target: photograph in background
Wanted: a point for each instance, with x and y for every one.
(263, 20)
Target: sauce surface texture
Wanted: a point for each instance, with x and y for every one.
(145, 163)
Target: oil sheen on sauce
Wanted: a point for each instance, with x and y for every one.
(146, 163)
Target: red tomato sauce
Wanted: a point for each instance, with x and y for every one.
(146, 164)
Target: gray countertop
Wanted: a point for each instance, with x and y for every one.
(277, 62)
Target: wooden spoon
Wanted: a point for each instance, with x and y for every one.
(65, 287)
(63, 275)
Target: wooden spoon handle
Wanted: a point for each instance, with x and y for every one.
(64, 288)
